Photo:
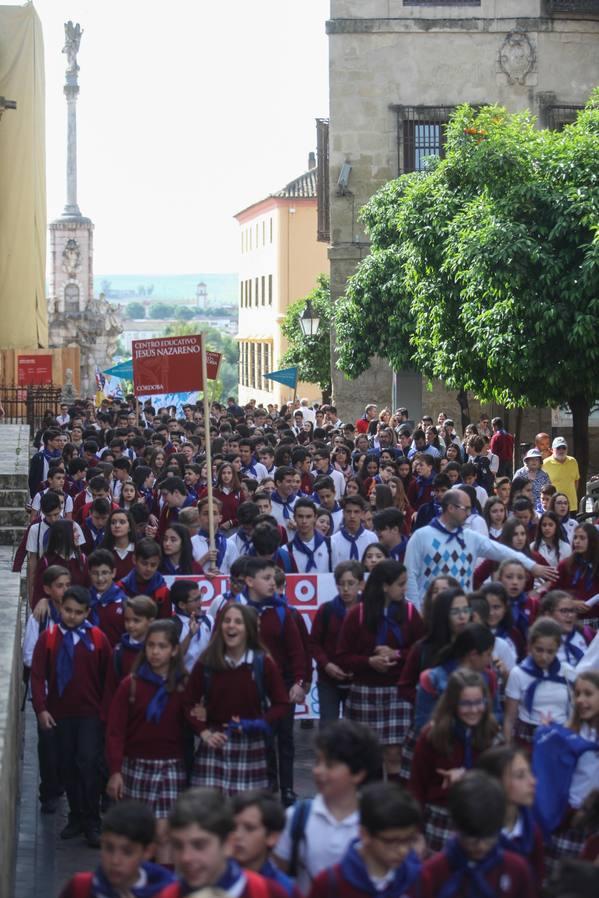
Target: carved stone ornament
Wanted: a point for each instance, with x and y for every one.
(517, 57)
(71, 258)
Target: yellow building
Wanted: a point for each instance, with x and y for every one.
(281, 259)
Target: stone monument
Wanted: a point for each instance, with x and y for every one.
(74, 316)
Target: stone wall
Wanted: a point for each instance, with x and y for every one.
(387, 53)
(14, 459)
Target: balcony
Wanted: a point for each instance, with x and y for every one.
(588, 8)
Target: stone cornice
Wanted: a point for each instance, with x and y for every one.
(473, 24)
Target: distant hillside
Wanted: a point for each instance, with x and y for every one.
(222, 288)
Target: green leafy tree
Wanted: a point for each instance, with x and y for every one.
(184, 313)
(484, 269)
(227, 382)
(135, 310)
(161, 310)
(312, 355)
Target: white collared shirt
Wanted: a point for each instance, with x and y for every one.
(326, 840)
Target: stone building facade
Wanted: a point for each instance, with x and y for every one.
(397, 70)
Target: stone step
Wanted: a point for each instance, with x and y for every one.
(13, 517)
(10, 498)
(11, 536)
(14, 482)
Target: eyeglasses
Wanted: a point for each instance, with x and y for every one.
(462, 507)
(466, 705)
(460, 612)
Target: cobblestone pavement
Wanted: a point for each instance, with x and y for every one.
(44, 862)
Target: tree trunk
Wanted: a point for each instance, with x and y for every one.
(517, 439)
(580, 408)
(326, 395)
(464, 404)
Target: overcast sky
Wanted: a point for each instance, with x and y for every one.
(188, 111)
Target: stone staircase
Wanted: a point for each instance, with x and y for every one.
(14, 492)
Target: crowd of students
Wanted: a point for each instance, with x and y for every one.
(459, 653)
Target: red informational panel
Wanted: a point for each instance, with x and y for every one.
(171, 365)
(34, 370)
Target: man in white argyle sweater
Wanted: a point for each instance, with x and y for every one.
(444, 548)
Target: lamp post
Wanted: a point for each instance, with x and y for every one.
(309, 321)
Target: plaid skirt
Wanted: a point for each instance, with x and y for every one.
(155, 782)
(524, 734)
(438, 828)
(240, 765)
(407, 756)
(380, 708)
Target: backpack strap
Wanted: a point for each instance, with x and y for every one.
(117, 661)
(258, 674)
(257, 885)
(299, 819)
(327, 610)
(81, 885)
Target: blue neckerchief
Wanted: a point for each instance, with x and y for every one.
(156, 879)
(354, 871)
(246, 541)
(51, 455)
(338, 607)
(296, 543)
(521, 614)
(464, 735)
(220, 543)
(582, 568)
(168, 568)
(201, 619)
(129, 645)
(286, 504)
(524, 843)
(66, 654)
(466, 876)
(269, 871)
(132, 587)
(148, 496)
(389, 622)
(250, 469)
(450, 534)
(231, 877)
(423, 483)
(551, 675)
(97, 535)
(158, 702)
(54, 613)
(114, 594)
(573, 652)
(398, 552)
(274, 602)
(353, 554)
(78, 486)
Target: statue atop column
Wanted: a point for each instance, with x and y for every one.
(72, 39)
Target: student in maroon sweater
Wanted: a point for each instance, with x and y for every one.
(67, 677)
(144, 736)
(473, 862)
(462, 726)
(145, 580)
(390, 822)
(61, 549)
(108, 599)
(140, 612)
(280, 635)
(373, 644)
(176, 497)
(127, 844)
(120, 539)
(201, 825)
(94, 525)
(234, 693)
(333, 681)
(520, 832)
(579, 573)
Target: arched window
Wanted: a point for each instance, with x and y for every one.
(71, 298)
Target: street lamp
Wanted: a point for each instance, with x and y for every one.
(309, 321)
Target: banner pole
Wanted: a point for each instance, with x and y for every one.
(211, 533)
